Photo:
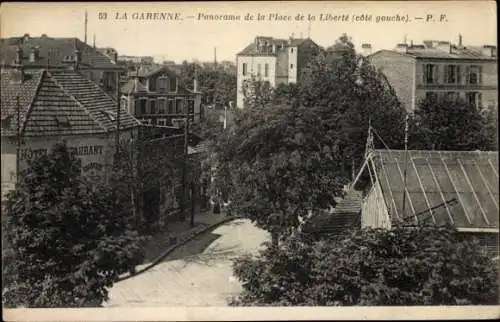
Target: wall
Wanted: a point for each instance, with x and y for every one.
(374, 211)
(96, 152)
(252, 66)
(399, 71)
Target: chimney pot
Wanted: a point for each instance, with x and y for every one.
(460, 40)
(402, 48)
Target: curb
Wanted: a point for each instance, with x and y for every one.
(169, 250)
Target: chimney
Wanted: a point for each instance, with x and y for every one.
(77, 55)
(489, 51)
(274, 49)
(195, 85)
(402, 48)
(444, 46)
(34, 53)
(459, 40)
(367, 49)
(17, 76)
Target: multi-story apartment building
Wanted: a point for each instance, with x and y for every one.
(278, 61)
(61, 53)
(152, 94)
(439, 68)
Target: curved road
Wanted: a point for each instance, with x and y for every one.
(196, 274)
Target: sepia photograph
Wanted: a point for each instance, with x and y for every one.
(249, 160)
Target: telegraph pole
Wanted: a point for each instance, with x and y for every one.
(118, 114)
(18, 148)
(405, 165)
(185, 162)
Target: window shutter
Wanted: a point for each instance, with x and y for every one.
(479, 100)
(480, 76)
(424, 74)
(467, 75)
(458, 75)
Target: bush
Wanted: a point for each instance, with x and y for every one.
(422, 266)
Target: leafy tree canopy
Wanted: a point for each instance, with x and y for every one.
(279, 165)
(422, 266)
(453, 124)
(66, 241)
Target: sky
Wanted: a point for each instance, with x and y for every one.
(194, 37)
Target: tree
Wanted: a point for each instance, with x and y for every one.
(403, 266)
(278, 166)
(349, 93)
(67, 241)
(256, 92)
(452, 124)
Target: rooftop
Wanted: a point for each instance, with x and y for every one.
(445, 50)
(57, 103)
(454, 187)
(53, 51)
(263, 46)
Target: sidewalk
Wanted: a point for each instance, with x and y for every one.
(177, 231)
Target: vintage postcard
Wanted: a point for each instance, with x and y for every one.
(249, 160)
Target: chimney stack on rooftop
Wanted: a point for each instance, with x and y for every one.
(367, 49)
(459, 40)
(17, 76)
(489, 51)
(77, 55)
(444, 46)
(402, 48)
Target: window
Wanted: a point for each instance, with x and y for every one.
(244, 67)
(291, 66)
(452, 74)
(474, 98)
(146, 121)
(291, 50)
(162, 84)
(171, 106)
(190, 106)
(161, 122)
(152, 84)
(142, 106)
(259, 70)
(474, 75)
(173, 84)
(161, 105)
(432, 96)
(266, 70)
(179, 106)
(152, 106)
(430, 74)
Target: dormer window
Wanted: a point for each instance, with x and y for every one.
(110, 115)
(162, 83)
(68, 58)
(6, 121)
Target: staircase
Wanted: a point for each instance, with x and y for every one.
(345, 216)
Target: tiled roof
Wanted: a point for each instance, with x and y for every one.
(53, 51)
(59, 103)
(25, 92)
(442, 187)
(252, 49)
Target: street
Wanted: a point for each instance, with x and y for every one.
(196, 274)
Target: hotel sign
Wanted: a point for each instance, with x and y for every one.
(86, 150)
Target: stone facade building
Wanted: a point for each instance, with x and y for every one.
(278, 61)
(439, 68)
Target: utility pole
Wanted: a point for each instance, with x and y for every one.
(185, 162)
(18, 149)
(118, 114)
(405, 165)
(86, 20)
